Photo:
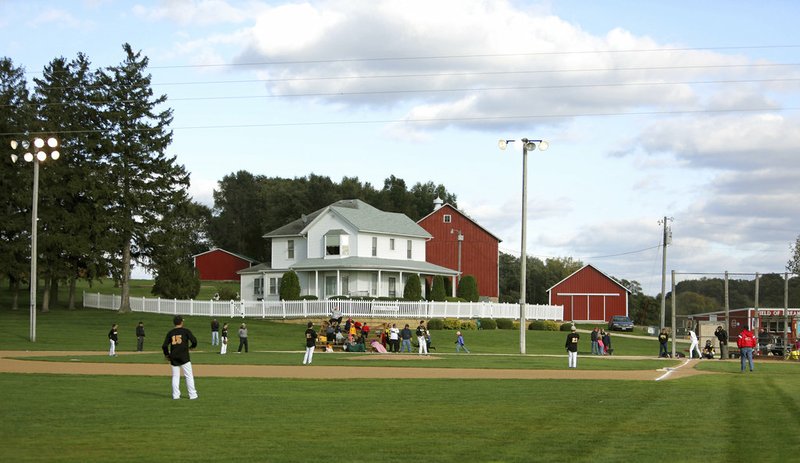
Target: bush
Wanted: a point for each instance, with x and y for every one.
(437, 290)
(469, 325)
(488, 323)
(413, 288)
(435, 324)
(454, 299)
(226, 294)
(505, 324)
(308, 297)
(566, 326)
(544, 325)
(339, 298)
(290, 287)
(468, 288)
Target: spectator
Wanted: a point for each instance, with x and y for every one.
(460, 343)
(365, 330)
(242, 339)
(394, 338)
(746, 343)
(595, 344)
(663, 338)
(608, 350)
(139, 337)
(214, 332)
(405, 336)
(336, 316)
(224, 344)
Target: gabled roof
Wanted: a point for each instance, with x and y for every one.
(361, 216)
(255, 269)
(252, 261)
(462, 215)
(613, 280)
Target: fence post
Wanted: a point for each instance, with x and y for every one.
(191, 307)
(283, 309)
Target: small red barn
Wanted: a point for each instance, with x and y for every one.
(589, 295)
(219, 264)
(478, 250)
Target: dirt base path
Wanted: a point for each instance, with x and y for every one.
(8, 364)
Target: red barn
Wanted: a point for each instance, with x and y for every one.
(219, 264)
(478, 250)
(589, 295)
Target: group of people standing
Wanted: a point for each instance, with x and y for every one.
(601, 342)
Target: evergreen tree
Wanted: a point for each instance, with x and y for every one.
(413, 289)
(438, 293)
(73, 198)
(468, 288)
(793, 265)
(290, 286)
(15, 178)
(146, 181)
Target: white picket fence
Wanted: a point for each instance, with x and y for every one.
(317, 309)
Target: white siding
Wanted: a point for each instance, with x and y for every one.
(280, 248)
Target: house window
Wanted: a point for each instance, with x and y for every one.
(274, 286)
(373, 289)
(345, 284)
(337, 245)
(290, 249)
(258, 287)
(447, 218)
(392, 287)
(330, 286)
(391, 244)
(374, 246)
(408, 249)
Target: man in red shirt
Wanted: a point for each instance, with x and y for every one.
(746, 343)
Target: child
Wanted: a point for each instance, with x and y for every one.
(112, 341)
(460, 343)
(224, 345)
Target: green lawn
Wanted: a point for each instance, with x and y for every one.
(727, 416)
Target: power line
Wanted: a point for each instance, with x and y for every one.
(472, 56)
(442, 119)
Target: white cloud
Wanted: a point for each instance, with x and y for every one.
(195, 12)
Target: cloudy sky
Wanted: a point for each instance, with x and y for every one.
(682, 109)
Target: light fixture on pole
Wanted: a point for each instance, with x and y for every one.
(460, 240)
(36, 153)
(527, 145)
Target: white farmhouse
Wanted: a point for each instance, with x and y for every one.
(348, 248)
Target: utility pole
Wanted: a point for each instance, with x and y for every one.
(667, 239)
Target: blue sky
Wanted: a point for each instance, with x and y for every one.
(683, 109)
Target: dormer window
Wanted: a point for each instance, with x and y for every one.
(337, 243)
(447, 218)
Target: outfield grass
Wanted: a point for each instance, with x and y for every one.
(726, 416)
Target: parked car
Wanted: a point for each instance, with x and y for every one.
(620, 323)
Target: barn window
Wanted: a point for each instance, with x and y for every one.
(447, 218)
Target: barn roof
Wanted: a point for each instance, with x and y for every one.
(613, 280)
(252, 261)
(462, 214)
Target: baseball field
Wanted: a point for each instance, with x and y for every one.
(64, 399)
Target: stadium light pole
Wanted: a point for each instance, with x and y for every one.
(35, 152)
(527, 145)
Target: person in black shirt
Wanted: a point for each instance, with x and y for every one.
(663, 337)
(722, 335)
(139, 337)
(112, 341)
(214, 332)
(572, 348)
(176, 349)
(311, 342)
